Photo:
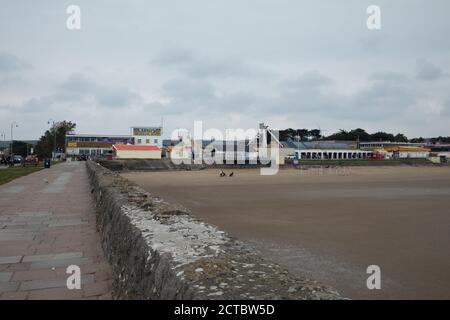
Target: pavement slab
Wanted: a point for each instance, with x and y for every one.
(47, 223)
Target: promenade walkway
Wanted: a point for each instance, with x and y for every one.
(47, 223)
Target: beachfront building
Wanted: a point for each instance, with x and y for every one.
(136, 152)
(93, 144)
(346, 150)
(102, 144)
(373, 145)
(323, 150)
(332, 154)
(404, 152)
(147, 136)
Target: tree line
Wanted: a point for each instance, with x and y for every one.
(351, 135)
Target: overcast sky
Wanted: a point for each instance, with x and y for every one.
(229, 63)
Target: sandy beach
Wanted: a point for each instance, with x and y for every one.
(331, 224)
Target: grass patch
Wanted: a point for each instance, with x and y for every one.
(9, 174)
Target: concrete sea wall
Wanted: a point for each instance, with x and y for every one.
(165, 165)
(158, 250)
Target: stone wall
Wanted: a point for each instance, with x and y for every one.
(146, 165)
(161, 251)
(165, 165)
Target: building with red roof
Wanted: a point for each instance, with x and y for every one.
(132, 151)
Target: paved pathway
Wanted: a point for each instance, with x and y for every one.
(47, 223)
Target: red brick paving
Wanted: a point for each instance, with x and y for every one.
(46, 227)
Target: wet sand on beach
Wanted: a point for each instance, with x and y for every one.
(331, 224)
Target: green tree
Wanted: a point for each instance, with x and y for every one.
(302, 134)
(46, 143)
(341, 135)
(287, 134)
(440, 139)
(381, 136)
(295, 134)
(399, 137)
(417, 140)
(314, 134)
(360, 134)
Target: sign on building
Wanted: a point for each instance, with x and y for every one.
(146, 131)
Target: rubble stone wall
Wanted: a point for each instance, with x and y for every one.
(160, 250)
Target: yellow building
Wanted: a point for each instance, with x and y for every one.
(407, 152)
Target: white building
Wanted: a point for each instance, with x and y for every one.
(136, 152)
(101, 145)
(331, 154)
(147, 136)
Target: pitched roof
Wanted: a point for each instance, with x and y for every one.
(134, 147)
(318, 144)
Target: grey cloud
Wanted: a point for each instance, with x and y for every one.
(380, 100)
(185, 95)
(37, 105)
(389, 76)
(10, 63)
(308, 79)
(303, 100)
(193, 65)
(78, 87)
(12, 71)
(240, 101)
(32, 106)
(174, 57)
(384, 97)
(199, 96)
(80, 91)
(118, 97)
(374, 43)
(446, 109)
(305, 94)
(77, 82)
(189, 90)
(426, 70)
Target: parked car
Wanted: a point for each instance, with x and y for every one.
(291, 156)
(18, 159)
(31, 160)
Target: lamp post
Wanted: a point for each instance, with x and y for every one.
(11, 153)
(3, 135)
(54, 136)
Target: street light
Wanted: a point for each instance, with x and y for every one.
(3, 135)
(54, 137)
(13, 124)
